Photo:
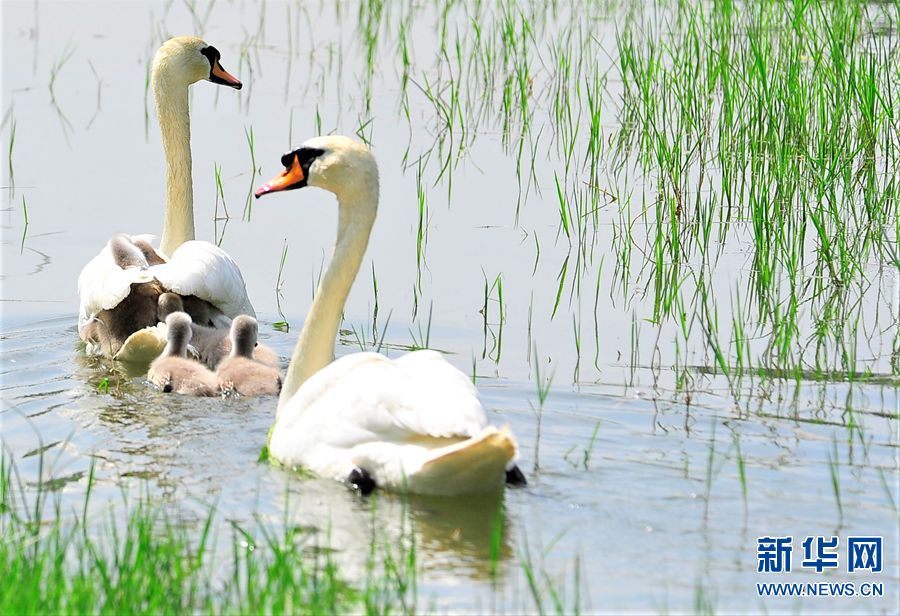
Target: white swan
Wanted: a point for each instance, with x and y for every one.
(413, 423)
(118, 295)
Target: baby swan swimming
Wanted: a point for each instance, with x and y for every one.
(172, 371)
(239, 372)
(211, 344)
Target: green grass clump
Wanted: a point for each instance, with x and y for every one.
(143, 560)
(138, 554)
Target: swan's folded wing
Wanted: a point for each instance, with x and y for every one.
(102, 284)
(444, 400)
(206, 271)
(367, 397)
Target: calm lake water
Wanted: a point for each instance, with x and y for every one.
(635, 501)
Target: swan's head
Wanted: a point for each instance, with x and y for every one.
(179, 334)
(335, 163)
(188, 59)
(244, 331)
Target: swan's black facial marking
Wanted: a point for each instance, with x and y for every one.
(217, 74)
(212, 55)
(305, 156)
(296, 171)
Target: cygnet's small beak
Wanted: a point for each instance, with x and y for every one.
(289, 178)
(221, 76)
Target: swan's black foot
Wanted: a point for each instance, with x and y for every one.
(360, 480)
(515, 477)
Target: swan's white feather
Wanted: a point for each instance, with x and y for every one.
(388, 416)
(196, 268)
(206, 271)
(449, 468)
(419, 393)
(102, 284)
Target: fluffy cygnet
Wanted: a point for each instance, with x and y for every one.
(212, 344)
(239, 372)
(125, 253)
(173, 371)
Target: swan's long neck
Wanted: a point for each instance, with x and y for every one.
(315, 347)
(175, 124)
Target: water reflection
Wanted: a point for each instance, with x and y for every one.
(453, 536)
(474, 528)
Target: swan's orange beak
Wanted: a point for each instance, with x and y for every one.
(221, 76)
(289, 178)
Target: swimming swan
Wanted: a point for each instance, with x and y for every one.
(118, 288)
(412, 423)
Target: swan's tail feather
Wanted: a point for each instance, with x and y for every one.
(144, 345)
(475, 465)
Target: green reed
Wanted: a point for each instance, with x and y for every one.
(543, 383)
(254, 172)
(282, 325)
(55, 69)
(24, 225)
(9, 158)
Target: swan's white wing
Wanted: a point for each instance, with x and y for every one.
(414, 423)
(102, 284)
(442, 400)
(366, 397)
(206, 271)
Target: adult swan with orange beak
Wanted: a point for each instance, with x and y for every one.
(120, 287)
(413, 423)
